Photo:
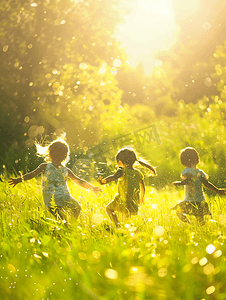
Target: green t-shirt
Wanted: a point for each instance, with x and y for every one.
(129, 187)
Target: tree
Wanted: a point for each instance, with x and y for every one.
(57, 59)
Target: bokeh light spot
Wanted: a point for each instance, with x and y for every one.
(82, 66)
(5, 48)
(111, 274)
(210, 290)
(97, 219)
(210, 249)
(117, 63)
(26, 119)
(158, 230)
(102, 70)
(206, 26)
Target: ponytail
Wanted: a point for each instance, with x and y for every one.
(128, 157)
(146, 165)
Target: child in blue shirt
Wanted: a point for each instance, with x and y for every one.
(54, 179)
(193, 180)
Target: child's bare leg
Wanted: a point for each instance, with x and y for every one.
(182, 217)
(201, 220)
(61, 213)
(56, 212)
(113, 215)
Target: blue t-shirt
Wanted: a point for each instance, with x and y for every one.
(193, 190)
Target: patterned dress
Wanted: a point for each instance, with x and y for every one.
(55, 189)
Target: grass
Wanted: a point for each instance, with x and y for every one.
(153, 256)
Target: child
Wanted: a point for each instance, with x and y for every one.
(131, 182)
(54, 180)
(193, 178)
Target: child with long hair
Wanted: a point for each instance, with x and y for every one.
(54, 180)
(131, 188)
(193, 179)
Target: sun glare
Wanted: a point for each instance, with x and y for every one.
(148, 28)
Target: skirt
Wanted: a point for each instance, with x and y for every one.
(193, 208)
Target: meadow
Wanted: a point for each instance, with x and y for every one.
(153, 255)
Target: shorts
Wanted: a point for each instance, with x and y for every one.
(128, 207)
(193, 208)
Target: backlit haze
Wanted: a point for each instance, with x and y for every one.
(149, 27)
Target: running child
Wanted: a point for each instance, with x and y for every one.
(193, 180)
(131, 188)
(54, 179)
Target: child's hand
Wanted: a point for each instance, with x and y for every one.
(14, 181)
(101, 181)
(97, 189)
(221, 191)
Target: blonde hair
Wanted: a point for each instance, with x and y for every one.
(57, 149)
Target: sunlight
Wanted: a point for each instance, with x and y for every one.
(149, 27)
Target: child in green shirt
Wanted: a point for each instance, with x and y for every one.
(130, 184)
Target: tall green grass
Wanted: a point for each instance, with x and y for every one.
(153, 255)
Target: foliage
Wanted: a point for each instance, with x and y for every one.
(58, 69)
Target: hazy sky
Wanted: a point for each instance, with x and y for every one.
(150, 27)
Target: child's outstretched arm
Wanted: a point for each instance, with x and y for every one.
(83, 183)
(111, 178)
(40, 169)
(213, 188)
(185, 181)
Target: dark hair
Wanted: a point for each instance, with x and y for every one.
(58, 150)
(189, 156)
(128, 157)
